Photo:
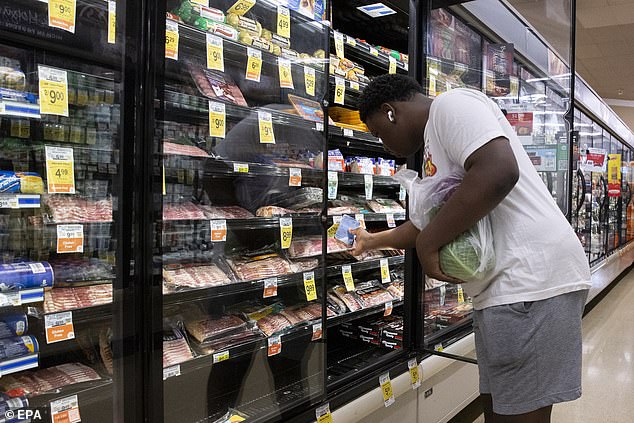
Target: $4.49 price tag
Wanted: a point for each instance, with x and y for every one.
(414, 373)
(275, 345)
(286, 77)
(386, 388)
(65, 410)
(309, 286)
(309, 80)
(322, 414)
(283, 21)
(217, 119)
(348, 280)
(265, 124)
(286, 232)
(215, 53)
(254, 64)
(270, 288)
(340, 90)
(294, 177)
(53, 90)
(218, 230)
(70, 239)
(59, 327)
(171, 39)
(385, 271)
(61, 14)
(60, 170)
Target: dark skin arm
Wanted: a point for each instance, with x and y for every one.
(401, 237)
(491, 174)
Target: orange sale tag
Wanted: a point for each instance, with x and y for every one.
(65, 410)
(317, 331)
(270, 287)
(218, 230)
(61, 14)
(275, 345)
(59, 327)
(295, 177)
(388, 308)
(70, 239)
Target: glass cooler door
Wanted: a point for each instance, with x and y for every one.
(62, 249)
(239, 240)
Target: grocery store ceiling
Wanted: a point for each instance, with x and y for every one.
(605, 36)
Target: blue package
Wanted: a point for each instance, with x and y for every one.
(343, 232)
(9, 182)
(13, 404)
(18, 276)
(13, 325)
(18, 346)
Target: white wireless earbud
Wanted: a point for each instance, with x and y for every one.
(390, 116)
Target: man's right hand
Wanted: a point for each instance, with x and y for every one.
(362, 241)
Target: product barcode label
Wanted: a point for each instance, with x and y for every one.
(172, 371)
(333, 185)
(294, 177)
(348, 280)
(322, 414)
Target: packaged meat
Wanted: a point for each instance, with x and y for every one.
(385, 205)
(273, 323)
(175, 348)
(385, 167)
(336, 161)
(305, 247)
(350, 299)
(183, 150)
(105, 348)
(21, 182)
(364, 165)
(18, 346)
(25, 275)
(311, 312)
(177, 277)
(62, 299)
(229, 341)
(70, 209)
(182, 211)
(72, 270)
(254, 311)
(271, 211)
(209, 328)
(372, 294)
(303, 265)
(47, 380)
(337, 211)
(396, 289)
(225, 212)
(261, 267)
(216, 85)
(335, 304)
(300, 198)
(293, 315)
(14, 324)
(12, 404)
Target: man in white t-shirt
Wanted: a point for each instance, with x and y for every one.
(528, 309)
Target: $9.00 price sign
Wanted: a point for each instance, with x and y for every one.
(61, 14)
(53, 89)
(217, 119)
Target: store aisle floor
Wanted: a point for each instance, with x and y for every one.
(608, 364)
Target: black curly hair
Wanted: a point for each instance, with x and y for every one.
(386, 88)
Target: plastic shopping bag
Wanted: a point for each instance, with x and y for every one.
(471, 255)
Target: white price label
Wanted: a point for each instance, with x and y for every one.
(10, 298)
(270, 288)
(374, 52)
(65, 410)
(220, 357)
(241, 167)
(62, 14)
(286, 232)
(438, 348)
(340, 90)
(59, 327)
(294, 177)
(319, 126)
(360, 218)
(217, 119)
(392, 67)
(391, 223)
(337, 219)
(368, 181)
(460, 294)
(112, 21)
(218, 230)
(351, 41)
(284, 70)
(389, 306)
(333, 185)
(70, 239)
(172, 371)
(386, 388)
(309, 80)
(53, 91)
(309, 286)
(317, 331)
(254, 64)
(347, 132)
(385, 271)
(215, 53)
(322, 414)
(171, 39)
(265, 123)
(339, 47)
(10, 202)
(402, 193)
(354, 85)
(414, 373)
(346, 272)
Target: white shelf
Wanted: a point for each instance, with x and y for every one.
(20, 201)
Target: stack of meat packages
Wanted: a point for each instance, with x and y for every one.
(69, 298)
(366, 295)
(214, 333)
(381, 331)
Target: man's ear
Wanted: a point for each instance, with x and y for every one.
(389, 112)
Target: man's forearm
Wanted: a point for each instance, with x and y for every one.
(401, 237)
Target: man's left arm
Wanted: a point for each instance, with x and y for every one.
(491, 173)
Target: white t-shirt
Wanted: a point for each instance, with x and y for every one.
(538, 255)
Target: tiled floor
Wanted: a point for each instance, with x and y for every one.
(608, 364)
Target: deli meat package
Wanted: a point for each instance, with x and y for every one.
(208, 328)
(183, 150)
(304, 265)
(305, 247)
(61, 299)
(259, 267)
(40, 381)
(384, 205)
(72, 270)
(182, 211)
(177, 277)
(273, 323)
(299, 199)
(216, 85)
(175, 348)
(350, 299)
(71, 209)
(372, 294)
(230, 340)
(226, 212)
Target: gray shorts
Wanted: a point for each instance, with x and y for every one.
(529, 353)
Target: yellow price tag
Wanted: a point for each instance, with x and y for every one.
(340, 90)
(432, 86)
(386, 388)
(112, 21)
(286, 76)
(286, 232)
(217, 119)
(201, 2)
(164, 188)
(265, 123)
(392, 68)
(241, 167)
(439, 348)
(254, 64)
(60, 170)
(351, 41)
(333, 230)
(385, 271)
(346, 271)
(460, 295)
(61, 14)
(283, 21)
(171, 40)
(53, 89)
(339, 47)
(221, 356)
(323, 414)
(355, 85)
(414, 373)
(374, 52)
(309, 80)
(309, 286)
(215, 54)
(241, 7)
